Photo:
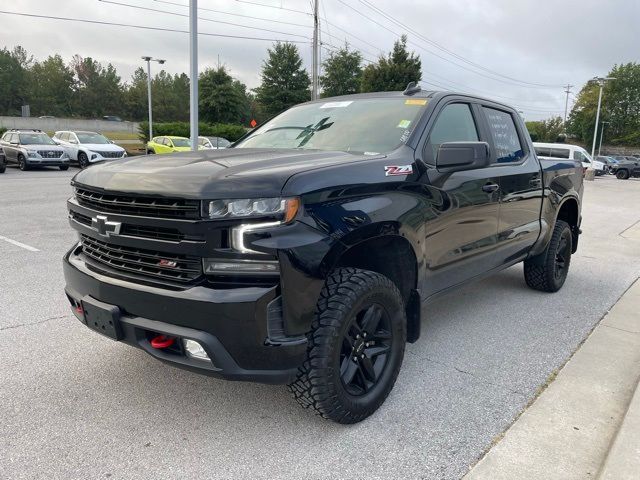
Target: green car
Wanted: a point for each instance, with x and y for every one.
(169, 144)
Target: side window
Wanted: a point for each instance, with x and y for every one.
(14, 138)
(64, 137)
(578, 155)
(454, 124)
(168, 142)
(560, 152)
(543, 151)
(505, 136)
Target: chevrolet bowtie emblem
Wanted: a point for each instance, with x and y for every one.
(103, 226)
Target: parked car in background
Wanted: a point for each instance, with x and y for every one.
(626, 167)
(169, 144)
(86, 148)
(112, 118)
(32, 148)
(559, 151)
(3, 161)
(213, 142)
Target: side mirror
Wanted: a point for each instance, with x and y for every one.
(461, 156)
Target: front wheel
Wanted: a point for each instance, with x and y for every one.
(356, 346)
(22, 163)
(548, 271)
(622, 174)
(83, 160)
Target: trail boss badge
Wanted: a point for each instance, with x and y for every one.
(390, 170)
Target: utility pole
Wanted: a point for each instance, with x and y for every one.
(601, 81)
(193, 72)
(566, 102)
(314, 80)
(149, 60)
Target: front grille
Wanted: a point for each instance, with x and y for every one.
(148, 263)
(140, 206)
(109, 154)
(49, 153)
(140, 231)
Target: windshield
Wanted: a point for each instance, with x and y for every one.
(181, 142)
(371, 125)
(92, 138)
(219, 142)
(35, 139)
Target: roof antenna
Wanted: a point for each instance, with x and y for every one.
(412, 88)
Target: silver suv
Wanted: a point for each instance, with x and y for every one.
(32, 148)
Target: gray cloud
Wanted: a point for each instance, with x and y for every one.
(547, 42)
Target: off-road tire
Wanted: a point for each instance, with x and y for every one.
(540, 271)
(83, 160)
(622, 174)
(22, 163)
(319, 384)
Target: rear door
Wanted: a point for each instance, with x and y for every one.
(520, 178)
(461, 236)
(11, 147)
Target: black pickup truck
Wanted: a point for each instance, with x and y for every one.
(304, 253)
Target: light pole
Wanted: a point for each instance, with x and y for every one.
(149, 60)
(193, 72)
(601, 81)
(601, 135)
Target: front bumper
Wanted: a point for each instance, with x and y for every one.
(47, 162)
(231, 324)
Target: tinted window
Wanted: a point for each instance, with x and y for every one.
(454, 124)
(560, 152)
(505, 136)
(578, 155)
(542, 151)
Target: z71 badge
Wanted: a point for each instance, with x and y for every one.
(390, 170)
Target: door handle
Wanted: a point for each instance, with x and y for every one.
(490, 187)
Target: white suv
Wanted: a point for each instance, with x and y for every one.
(88, 147)
(573, 152)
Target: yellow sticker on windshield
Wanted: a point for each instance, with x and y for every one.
(416, 101)
(404, 124)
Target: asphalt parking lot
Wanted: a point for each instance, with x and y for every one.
(77, 405)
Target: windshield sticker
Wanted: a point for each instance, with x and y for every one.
(405, 135)
(392, 170)
(336, 104)
(416, 101)
(404, 124)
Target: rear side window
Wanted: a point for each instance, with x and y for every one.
(505, 136)
(454, 124)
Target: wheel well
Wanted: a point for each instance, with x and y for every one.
(393, 257)
(569, 213)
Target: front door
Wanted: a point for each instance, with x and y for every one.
(461, 235)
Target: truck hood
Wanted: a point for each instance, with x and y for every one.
(228, 173)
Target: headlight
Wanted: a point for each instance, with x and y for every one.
(284, 209)
(32, 153)
(94, 156)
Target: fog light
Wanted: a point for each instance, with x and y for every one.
(195, 350)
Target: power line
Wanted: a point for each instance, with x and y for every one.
(149, 9)
(274, 6)
(444, 49)
(431, 52)
(219, 12)
(143, 27)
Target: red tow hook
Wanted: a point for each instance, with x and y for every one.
(162, 341)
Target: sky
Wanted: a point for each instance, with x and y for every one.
(519, 52)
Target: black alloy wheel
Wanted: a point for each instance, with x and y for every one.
(22, 163)
(365, 349)
(83, 160)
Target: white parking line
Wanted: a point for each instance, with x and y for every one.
(18, 244)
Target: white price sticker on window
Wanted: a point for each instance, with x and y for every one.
(336, 104)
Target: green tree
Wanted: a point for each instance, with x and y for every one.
(549, 130)
(393, 72)
(13, 83)
(98, 89)
(342, 72)
(51, 88)
(284, 80)
(135, 96)
(222, 99)
(620, 107)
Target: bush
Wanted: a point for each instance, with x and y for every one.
(2, 130)
(631, 140)
(182, 129)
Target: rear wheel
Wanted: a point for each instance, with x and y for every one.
(356, 346)
(22, 163)
(150, 152)
(2, 168)
(83, 160)
(548, 271)
(622, 174)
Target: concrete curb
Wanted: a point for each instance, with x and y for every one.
(567, 433)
